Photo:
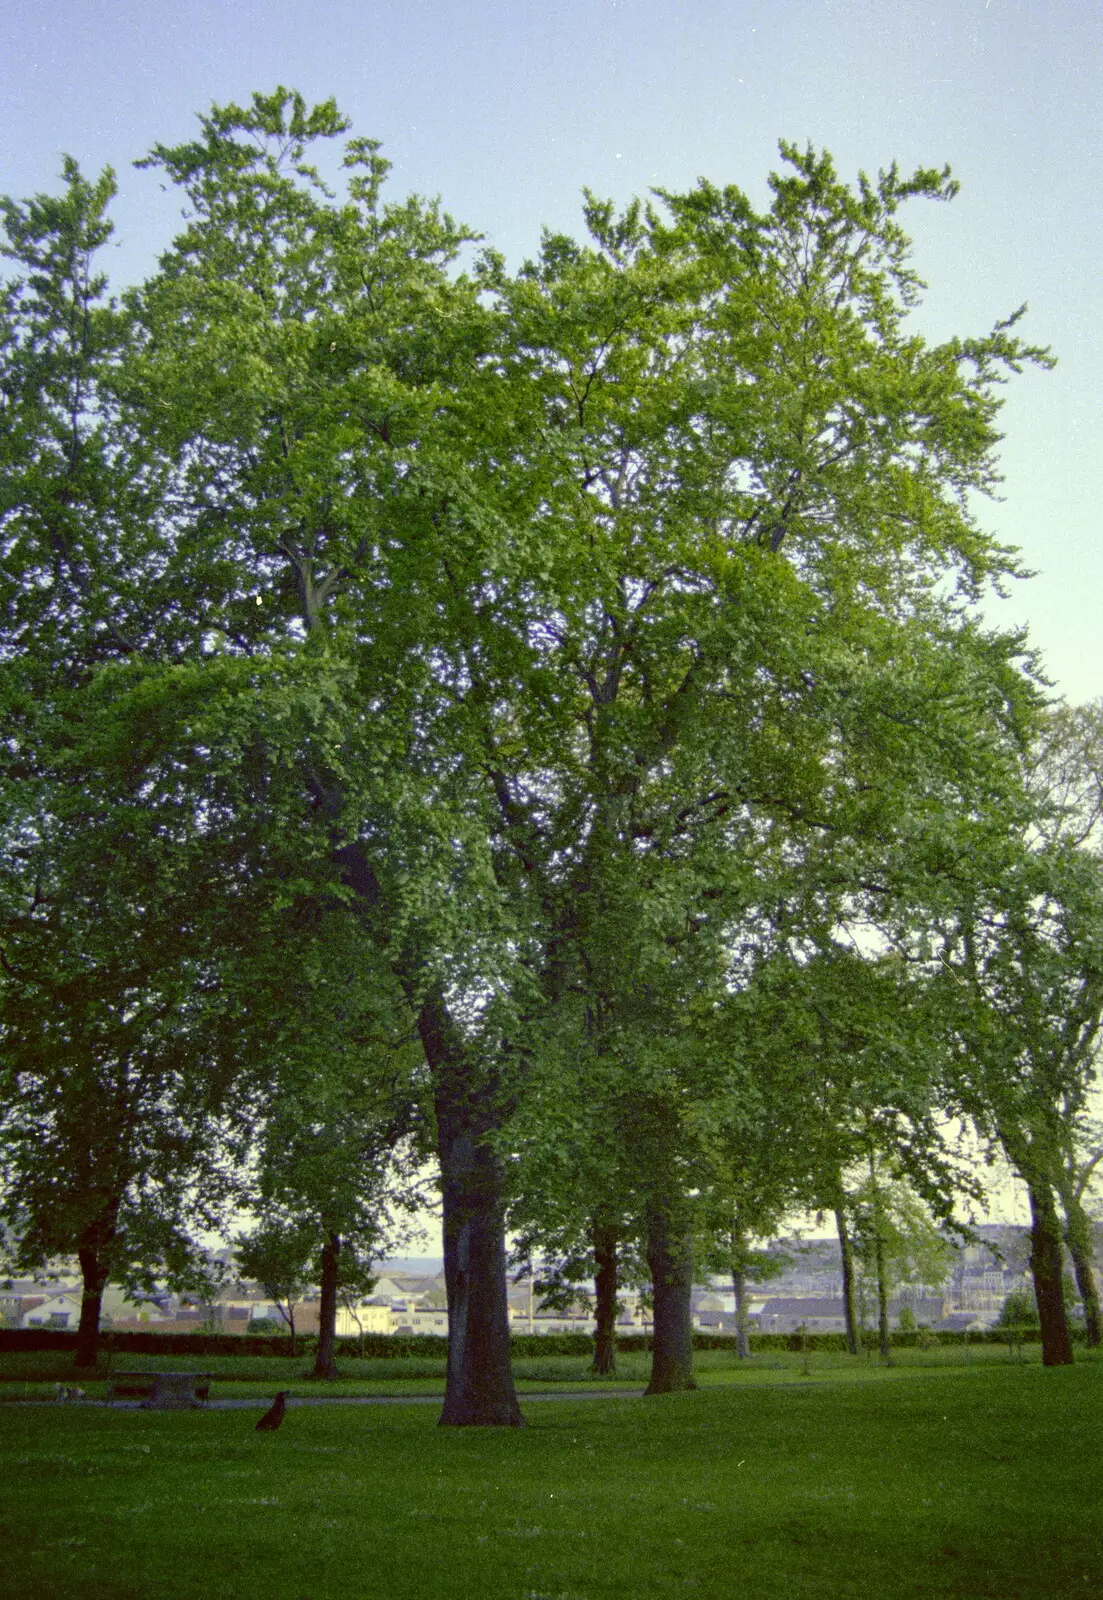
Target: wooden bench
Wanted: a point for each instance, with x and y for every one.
(162, 1391)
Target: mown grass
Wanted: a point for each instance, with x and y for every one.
(32, 1374)
(903, 1482)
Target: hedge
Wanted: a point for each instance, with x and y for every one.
(382, 1346)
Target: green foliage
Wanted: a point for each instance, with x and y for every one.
(279, 1256)
(1018, 1311)
(587, 650)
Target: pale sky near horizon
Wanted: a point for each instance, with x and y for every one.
(508, 109)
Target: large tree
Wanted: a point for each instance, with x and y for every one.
(119, 1123)
(577, 600)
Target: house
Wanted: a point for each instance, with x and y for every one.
(370, 1316)
(418, 1319)
(724, 1322)
(54, 1311)
(784, 1314)
(118, 1309)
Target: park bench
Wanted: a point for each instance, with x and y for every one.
(162, 1391)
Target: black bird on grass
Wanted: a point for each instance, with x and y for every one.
(274, 1415)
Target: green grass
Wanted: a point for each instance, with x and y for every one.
(32, 1374)
(904, 1482)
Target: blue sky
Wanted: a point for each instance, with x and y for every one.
(507, 109)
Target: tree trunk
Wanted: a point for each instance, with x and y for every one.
(739, 1284)
(1047, 1266)
(479, 1391)
(605, 1296)
(94, 1275)
(846, 1249)
(884, 1336)
(325, 1364)
(1078, 1237)
(670, 1258)
(288, 1315)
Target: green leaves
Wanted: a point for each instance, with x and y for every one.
(587, 647)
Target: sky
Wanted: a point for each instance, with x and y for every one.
(509, 109)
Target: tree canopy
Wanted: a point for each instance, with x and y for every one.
(557, 665)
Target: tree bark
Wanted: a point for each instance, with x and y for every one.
(884, 1336)
(93, 1247)
(739, 1284)
(846, 1249)
(605, 1297)
(288, 1316)
(94, 1281)
(479, 1391)
(1078, 1237)
(325, 1363)
(1046, 1265)
(670, 1259)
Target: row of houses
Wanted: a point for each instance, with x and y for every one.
(805, 1293)
(397, 1312)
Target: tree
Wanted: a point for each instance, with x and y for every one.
(1018, 1311)
(281, 1255)
(119, 1121)
(1068, 780)
(300, 366)
(355, 1279)
(580, 600)
(333, 1145)
(1080, 1164)
(897, 1240)
(707, 449)
(1026, 1007)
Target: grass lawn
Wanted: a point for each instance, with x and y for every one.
(911, 1481)
(28, 1375)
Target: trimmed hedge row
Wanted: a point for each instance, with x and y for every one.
(381, 1346)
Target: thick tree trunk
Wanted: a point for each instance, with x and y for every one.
(670, 1258)
(479, 1390)
(1078, 1237)
(846, 1250)
(94, 1276)
(325, 1362)
(605, 1297)
(1046, 1265)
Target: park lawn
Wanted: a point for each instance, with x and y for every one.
(979, 1481)
(27, 1375)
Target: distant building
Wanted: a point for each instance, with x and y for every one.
(55, 1311)
(788, 1314)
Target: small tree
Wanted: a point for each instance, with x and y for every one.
(897, 1239)
(280, 1255)
(1019, 1310)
